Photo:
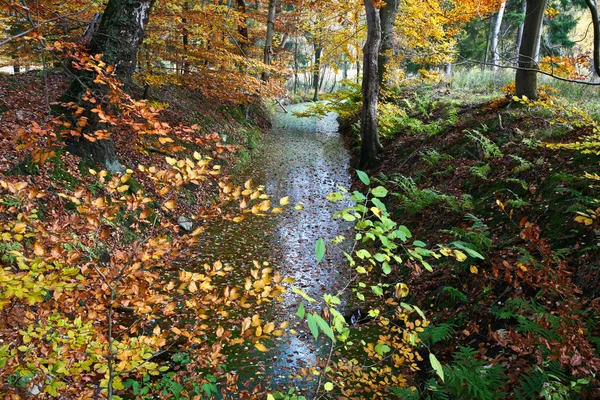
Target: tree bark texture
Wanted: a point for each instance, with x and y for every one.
(268, 52)
(117, 38)
(496, 35)
(370, 146)
(243, 27)
(388, 16)
(317, 71)
(526, 77)
(593, 7)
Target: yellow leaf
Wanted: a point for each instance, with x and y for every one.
(401, 290)
(192, 287)
(473, 269)
(584, 220)
(197, 156)
(284, 201)
(500, 204)
(248, 184)
(460, 256)
(170, 161)
(19, 227)
(123, 188)
(261, 347)
(164, 140)
(170, 205)
(277, 210)
(38, 249)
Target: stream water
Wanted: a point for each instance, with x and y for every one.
(305, 159)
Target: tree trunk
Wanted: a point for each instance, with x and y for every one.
(370, 146)
(243, 27)
(317, 71)
(526, 77)
(520, 31)
(388, 16)
(268, 54)
(486, 56)
(296, 65)
(118, 38)
(495, 36)
(593, 7)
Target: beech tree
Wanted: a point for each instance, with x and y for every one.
(370, 146)
(388, 17)
(526, 76)
(117, 39)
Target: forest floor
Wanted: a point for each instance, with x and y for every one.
(482, 175)
(519, 315)
(227, 133)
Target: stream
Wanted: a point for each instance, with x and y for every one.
(305, 159)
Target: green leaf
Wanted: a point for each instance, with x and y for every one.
(320, 249)
(419, 243)
(348, 217)
(377, 203)
(361, 270)
(324, 326)
(357, 196)
(335, 197)
(362, 254)
(381, 349)
(301, 311)
(469, 250)
(385, 267)
(328, 386)
(377, 290)
(304, 295)
(379, 191)
(312, 325)
(380, 257)
(363, 177)
(437, 367)
(360, 296)
(405, 230)
(329, 299)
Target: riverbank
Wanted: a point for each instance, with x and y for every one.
(518, 315)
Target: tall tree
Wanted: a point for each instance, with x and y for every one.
(496, 35)
(118, 38)
(370, 146)
(268, 52)
(520, 30)
(388, 17)
(593, 7)
(526, 77)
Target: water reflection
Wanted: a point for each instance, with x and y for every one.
(304, 159)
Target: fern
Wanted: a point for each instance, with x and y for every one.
(437, 333)
(469, 378)
(551, 378)
(455, 294)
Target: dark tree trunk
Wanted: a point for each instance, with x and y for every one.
(388, 16)
(370, 146)
(317, 71)
(243, 27)
(526, 77)
(593, 7)
(117, 38)
(268, 53)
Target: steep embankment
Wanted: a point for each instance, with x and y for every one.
(485, 177)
